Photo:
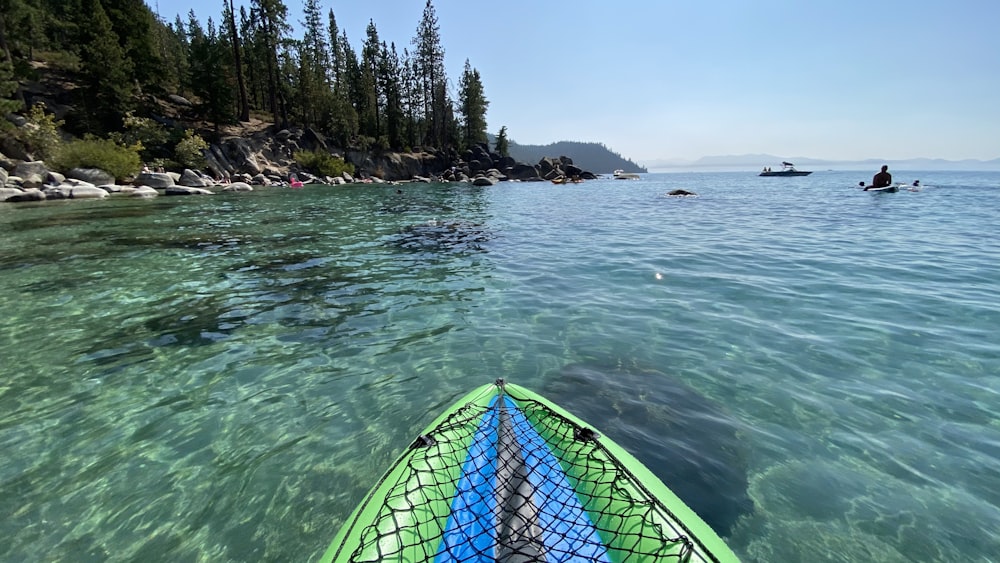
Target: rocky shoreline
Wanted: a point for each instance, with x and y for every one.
(265, 159)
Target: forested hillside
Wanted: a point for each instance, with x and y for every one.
(113, 70)
(590, 156)
(114, 58)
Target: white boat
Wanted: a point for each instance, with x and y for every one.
(622, 175)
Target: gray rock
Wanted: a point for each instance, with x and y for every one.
(239, 152)
(3, 177)
(17, 120)
(32, 181)
(9, 192)
(25, 169)
(260, 180)
(154, 180)
(114, 188)
(483, 181)
(27, 195)
(87, 192)
(179, 100)
(143, 191)
(55, 178)
(53, 193)
(523, 172)
(238, 187)
(184, 190)
(348, 178)
(191, 179)
(95, 176)
(680, 193)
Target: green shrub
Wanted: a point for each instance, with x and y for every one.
(322, 163)
(143, 132)
(90, 152)
(41, 133)
(190, 151)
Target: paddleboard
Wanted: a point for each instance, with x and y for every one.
(506, 475)
(886, 189)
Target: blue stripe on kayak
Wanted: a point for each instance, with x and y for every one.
(569, 533)
(470, 533)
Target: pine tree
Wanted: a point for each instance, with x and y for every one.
(502, 146)
(133, 23)
(8, 88)
(472, 105)
(210, 72)
(271, 16)
(390, 73)
(229, 16)
(106, 72)
(429, 59)
(371, 96)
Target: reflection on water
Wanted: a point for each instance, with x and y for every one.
(223, 378)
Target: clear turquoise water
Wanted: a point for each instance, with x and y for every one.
(222, 378)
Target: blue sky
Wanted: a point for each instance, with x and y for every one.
(680, 79)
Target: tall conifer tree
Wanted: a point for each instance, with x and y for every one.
(429, 58)
(472, 105)
(107, 73)
(229, 15)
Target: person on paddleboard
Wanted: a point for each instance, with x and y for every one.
(881, 180)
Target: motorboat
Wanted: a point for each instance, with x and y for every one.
(622, 175)
(787, 169)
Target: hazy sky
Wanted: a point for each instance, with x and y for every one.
(681, 79)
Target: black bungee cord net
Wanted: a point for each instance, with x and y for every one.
(639, 528)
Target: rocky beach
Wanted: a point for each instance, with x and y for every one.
(266, 159)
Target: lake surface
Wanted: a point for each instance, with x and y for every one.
(223, 378)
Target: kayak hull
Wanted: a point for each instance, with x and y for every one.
(506, 475)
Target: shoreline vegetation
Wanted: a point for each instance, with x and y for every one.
(94, 92)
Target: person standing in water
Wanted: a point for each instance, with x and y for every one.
(882, 179)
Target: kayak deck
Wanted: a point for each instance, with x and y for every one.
(505, 475)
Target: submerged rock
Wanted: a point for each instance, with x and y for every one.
(184, 190)
(683, 437)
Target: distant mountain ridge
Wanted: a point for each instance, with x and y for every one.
(592, 157)
(758, 161)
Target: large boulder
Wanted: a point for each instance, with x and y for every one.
(191, 179)
(523, 172)
(179, 100)
(154, 180)
(238, 187)
(546, 166)
(9, 192)
(27, 195)
(25, 169)
(94, 176)
(312, 140)
(241, 155)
